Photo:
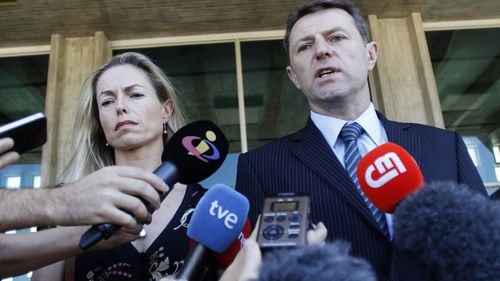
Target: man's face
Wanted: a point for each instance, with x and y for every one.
(329, 61)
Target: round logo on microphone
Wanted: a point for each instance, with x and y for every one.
(204, 149)
(197, 150)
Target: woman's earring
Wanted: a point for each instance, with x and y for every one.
(107, 144)
(164, 128)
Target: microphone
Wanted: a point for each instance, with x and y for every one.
(193, 153)
(329, 262)
(453, 230)
(388, 174)
(225, 259)
(216, 222)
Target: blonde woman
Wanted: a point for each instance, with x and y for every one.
(127, 112)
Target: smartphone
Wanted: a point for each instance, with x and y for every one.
(284, 220)
(28, 132)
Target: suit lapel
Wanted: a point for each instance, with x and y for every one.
(400, 133)
(311, 148)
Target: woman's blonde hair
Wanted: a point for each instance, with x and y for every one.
(89, 150)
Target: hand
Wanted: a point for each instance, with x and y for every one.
(247, 263)
(317, 236)
(112, 194)
(9, 157)
(72, 235)
(124, 235)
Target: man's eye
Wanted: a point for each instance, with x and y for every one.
(136, 95)
(337, 38)
(303, 47)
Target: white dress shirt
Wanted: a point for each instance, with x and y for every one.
(373, 136)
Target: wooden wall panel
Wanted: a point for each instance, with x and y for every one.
(402, 83)
(71, 61)
(425, 71)
(52, 109)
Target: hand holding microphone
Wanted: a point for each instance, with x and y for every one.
(193, 153)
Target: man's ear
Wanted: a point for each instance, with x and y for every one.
(371, 54)
(292, 76)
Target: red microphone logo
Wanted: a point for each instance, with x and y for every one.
(388, 165)
(387, 175)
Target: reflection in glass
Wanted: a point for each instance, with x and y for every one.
(274, 107)
(23, 83)
(466, 64)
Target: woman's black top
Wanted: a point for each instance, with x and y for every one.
(163, 258)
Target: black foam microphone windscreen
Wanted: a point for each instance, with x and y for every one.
(329, 262)
(197, 150)
(453, 230)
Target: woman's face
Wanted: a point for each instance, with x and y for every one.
(130, 113)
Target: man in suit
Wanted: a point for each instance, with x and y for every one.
(330, 55)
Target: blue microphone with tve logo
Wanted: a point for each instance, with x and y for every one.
(192, 154)
(216, 223)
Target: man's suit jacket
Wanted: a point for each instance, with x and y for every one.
(303, 161)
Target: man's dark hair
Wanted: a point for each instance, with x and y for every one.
(318, 5)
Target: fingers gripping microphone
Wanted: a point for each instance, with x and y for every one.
(216, 222)
(193, 153)
(388, 174)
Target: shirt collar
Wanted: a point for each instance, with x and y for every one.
(371, 124)
(330, 126)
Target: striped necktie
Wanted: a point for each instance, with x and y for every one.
(350, 134)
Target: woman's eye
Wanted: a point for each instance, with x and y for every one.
(106, 102)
